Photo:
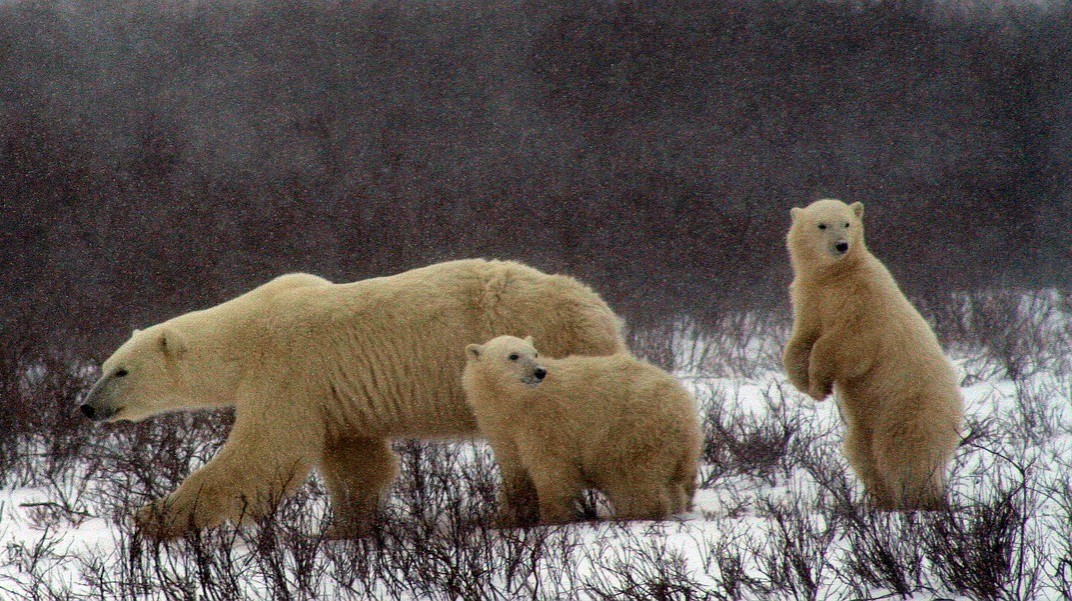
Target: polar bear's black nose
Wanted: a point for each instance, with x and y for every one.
(842, 247)
(88, 411)
(539, 373)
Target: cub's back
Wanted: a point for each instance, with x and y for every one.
(611, 383)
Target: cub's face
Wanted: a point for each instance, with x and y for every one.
(826, 231)
(155, 372)
(511, 359)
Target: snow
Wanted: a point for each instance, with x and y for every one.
(1026, 427)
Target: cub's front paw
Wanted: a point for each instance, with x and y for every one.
(819, 391)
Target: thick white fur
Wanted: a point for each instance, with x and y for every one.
(612, 423)
(324, 375)
(854, 331)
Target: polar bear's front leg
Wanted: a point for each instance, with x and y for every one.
(822, 364)
(796, 359)
(558, 486)
(518, 505)
(250, 475)
(356, 471)
(193, 506)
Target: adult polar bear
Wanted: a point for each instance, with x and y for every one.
(323, 375)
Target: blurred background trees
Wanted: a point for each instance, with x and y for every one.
(158, 157)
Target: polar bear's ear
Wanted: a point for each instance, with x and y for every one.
(528, 340)
(473, 351)
(136, 332)
(794, 213)
(172, 343)
(857, 209)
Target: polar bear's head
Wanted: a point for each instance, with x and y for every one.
(166, 367)
(826, 232)
(190, 361)
(510, 359)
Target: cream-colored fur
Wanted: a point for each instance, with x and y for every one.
(854, 330)
(612, 423)
(323, 375)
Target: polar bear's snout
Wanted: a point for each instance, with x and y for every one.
(96, 413)
(533, 380)
(841, 247)
(96, 405)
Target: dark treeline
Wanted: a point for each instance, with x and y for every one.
(161, 156)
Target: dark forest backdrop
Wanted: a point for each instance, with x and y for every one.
(160, 156)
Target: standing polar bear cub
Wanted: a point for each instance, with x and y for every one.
(324, 375)
(853, 329)
(613, 423)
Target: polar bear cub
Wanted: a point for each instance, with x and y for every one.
(854, 331)
(559, 426)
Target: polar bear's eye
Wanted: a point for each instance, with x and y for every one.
(514, 357)
(846, 224)
(119, 373)
(822, 226)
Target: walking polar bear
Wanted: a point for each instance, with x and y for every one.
(853, 329)
(322, 376)
(613, 423)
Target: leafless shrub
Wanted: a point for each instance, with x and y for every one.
(643, 570)
(1060, 562)
(655, 344)
(987, 547)
(727, 562)
(972, 549)
(32, 563)
(37, 392)
(1018, 332)
(740, 344)
(795, 558)
(68, 504)
(885, 552)
(1037, 419)
(737, 443)
(137, 463)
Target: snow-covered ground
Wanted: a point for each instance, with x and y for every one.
(778, 516)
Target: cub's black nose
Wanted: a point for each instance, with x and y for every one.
(88, 411)
(539, 373)
(842, 247)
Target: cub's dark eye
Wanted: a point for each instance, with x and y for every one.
(514, 357)
(846, 225)
(119, 373)
(535, 355)
(822, 226)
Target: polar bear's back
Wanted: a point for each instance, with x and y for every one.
(390, 350)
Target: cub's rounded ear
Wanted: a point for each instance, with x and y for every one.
(794, 213)
(172, 343)
(474, 351)
(136, 332)
(857, 209)
(528, 340)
